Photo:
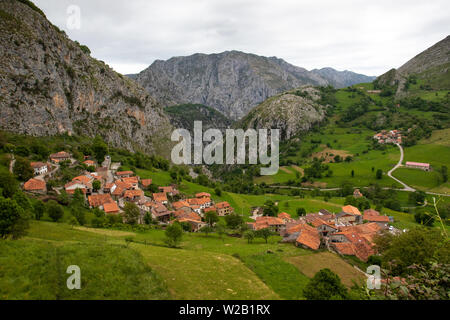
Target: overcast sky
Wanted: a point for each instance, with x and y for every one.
(368, 37)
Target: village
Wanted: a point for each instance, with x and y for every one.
(348, 232)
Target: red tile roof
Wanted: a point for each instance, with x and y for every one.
(159, 197)
(202, 195)
(352, 210)
(146, 182)
(284, 215)
(222, 205)
(309, 237)
(97, 200)
(111, 207)
(130, 194)
(124, 173)
(131, 180)
(180, 204)
(34, 185)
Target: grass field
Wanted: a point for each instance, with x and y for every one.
(205, 267)
(311, 264)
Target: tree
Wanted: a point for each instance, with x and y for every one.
(270, 209)
(54, 210)
(444, 172)
(249, 235)
(417, 197)
(234, 221)
(23, 201)
(211, 217)
(131, 213)
(423, 217)
(79, 214)
(148, 218)
(174, 234)
(379, 174)
(221, 229)
(8, 184)
(13, 219)
(353, 173)
(325, 285)
(416, 246)
(218, 192)
(100, 149)
(206, 230)
(301, 212)
(22, 169)
(96, 185)
(74, 222)
(264, 233)
(39, 210)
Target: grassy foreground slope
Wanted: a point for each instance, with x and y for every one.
(206, 267)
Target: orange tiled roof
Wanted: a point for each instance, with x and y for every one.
(133, 193)
(122, 184)
(146, 182)
(352, 210)
(34, 185)
(213, 208)
(159, 197)
(284, 215)
(124, 173)
(371, 212)
(61, 154)
(203, 194)
(118, 191)
(131, 180)
(82, 179)
(111, 207)
(89, 162)
(36, 165)
(222, 205)
(374, 218)
(97, 200)
(180, 204)
(309, 237)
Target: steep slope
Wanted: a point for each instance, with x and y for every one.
(292, 112)
(232, 82)
(50, 85)
(183, 116)
(431, 67)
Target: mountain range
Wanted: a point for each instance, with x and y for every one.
(233, 82)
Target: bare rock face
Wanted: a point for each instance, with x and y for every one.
(50, 85)
(232, 82)
(289, 112)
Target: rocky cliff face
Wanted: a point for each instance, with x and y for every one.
(232, 82)
(50, 85)
(432, 66)
(292, 112)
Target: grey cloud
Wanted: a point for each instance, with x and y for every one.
(366, 37)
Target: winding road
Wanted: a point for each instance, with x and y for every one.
(398, 165)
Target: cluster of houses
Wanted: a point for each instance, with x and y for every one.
(393, 136)
(115, 188)
(348, 232)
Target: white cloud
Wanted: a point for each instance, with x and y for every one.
(366, 37)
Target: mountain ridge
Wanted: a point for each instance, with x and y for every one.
(232, 82)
